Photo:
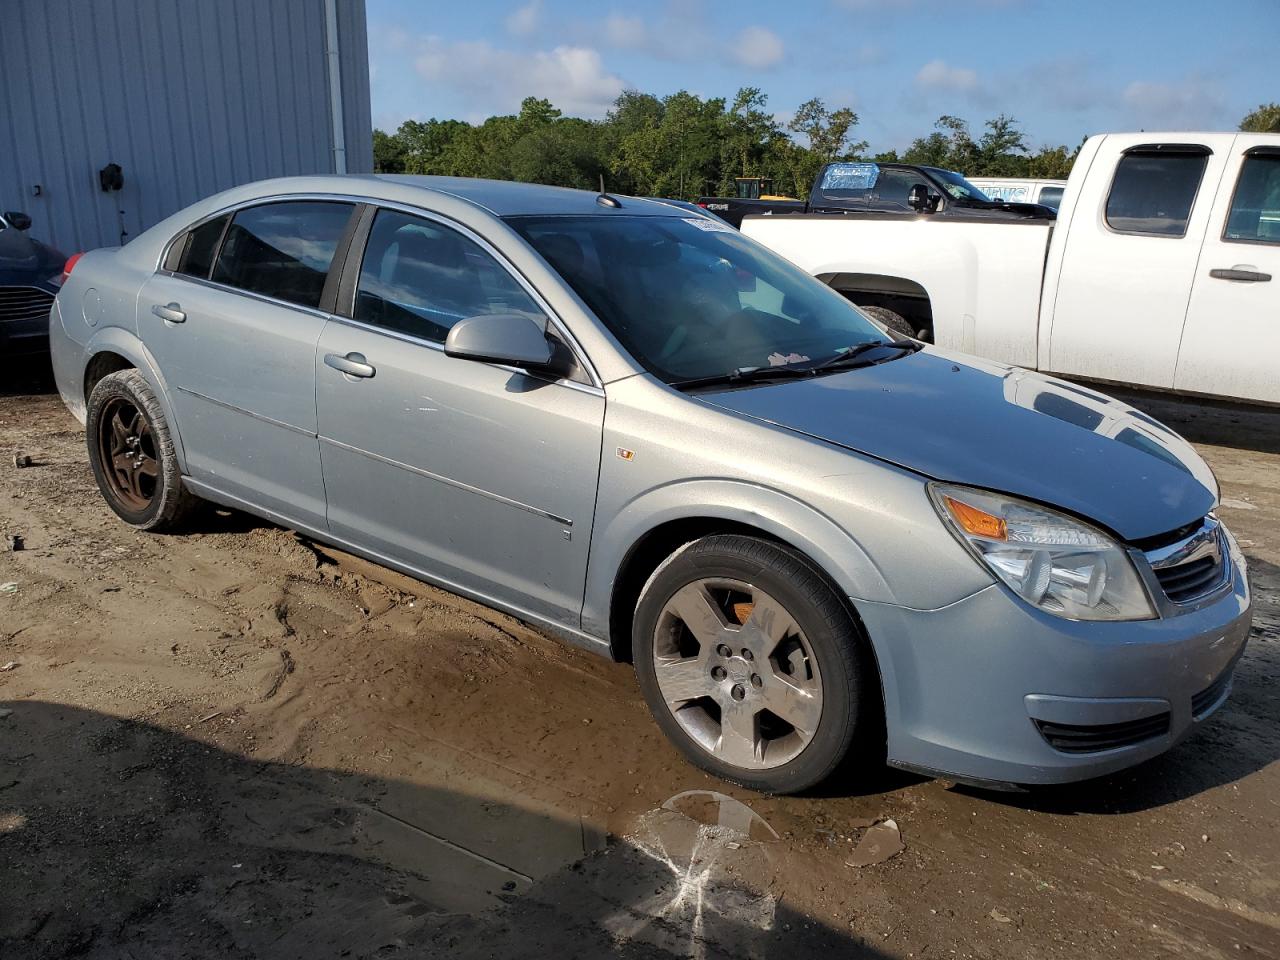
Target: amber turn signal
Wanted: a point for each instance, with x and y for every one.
(977, 522)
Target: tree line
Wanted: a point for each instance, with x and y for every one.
(685, 146)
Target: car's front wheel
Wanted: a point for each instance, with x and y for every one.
(751, 664)
(131, 453)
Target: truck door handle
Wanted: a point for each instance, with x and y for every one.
(353, 364)
(1235, 273)
(170, 313)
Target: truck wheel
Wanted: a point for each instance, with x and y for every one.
(131, 453)
(751, 665)
(896, 323)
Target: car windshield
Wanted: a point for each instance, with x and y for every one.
(693, 298)
(958, 186)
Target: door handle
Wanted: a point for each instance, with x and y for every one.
(1235, 273)
(353, 364)
(170, 313)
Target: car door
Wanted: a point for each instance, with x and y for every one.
(480, 477)
(1232, 336)
(1128, 262)
(233, 321)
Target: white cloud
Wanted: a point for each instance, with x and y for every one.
(491, 79)
(627, 33)
(758, 47)
(524, 20)
(939, 75)
(1192, 104)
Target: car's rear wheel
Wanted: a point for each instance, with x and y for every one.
(131, 453)
(751, 664)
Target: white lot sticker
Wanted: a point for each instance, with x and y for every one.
(709, 224)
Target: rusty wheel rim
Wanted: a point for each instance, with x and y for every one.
(128, 453)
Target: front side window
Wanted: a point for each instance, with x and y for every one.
(283, 250)
(420, 277)
(692, 298)
(1153, 192)
(1255, 207)
(957, 187)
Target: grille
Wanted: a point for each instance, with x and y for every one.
(1193, 567)
(1092, 738)
(1207, 698)
(24, 303)
(1190, 580)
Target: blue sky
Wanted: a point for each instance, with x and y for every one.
(1064, 69)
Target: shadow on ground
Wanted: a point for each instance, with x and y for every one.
(26, 375)
(123, 839)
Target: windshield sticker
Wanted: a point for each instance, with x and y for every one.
(851, 176)
(709, 224)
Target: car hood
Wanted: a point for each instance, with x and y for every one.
(24, 260)
(966, 420)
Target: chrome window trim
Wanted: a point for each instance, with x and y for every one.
(252, 295)
(409, 338)
(584, 361)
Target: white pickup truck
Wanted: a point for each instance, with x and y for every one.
(1161, 271)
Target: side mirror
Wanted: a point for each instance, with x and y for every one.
(918, 198)
(19, 221)
(507, 338)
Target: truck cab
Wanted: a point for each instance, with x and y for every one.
(1158, 271)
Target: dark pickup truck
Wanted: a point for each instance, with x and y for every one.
(902, 188)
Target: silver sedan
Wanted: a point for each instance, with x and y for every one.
(623, 422)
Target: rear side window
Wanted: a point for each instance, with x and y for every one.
(283, 250)
(1153, 192)
(200, 247)
(1255, 207)
(420, 277)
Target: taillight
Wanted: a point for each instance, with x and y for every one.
(703, 206)
(70, 265)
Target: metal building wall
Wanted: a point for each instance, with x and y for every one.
(189, 97)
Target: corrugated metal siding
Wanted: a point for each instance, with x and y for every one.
(188, 96)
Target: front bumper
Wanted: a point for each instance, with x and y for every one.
(980, 688)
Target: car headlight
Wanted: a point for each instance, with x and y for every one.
(1056, 562)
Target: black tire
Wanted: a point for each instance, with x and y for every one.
(849, 681)
(896, 323)
(158, 502)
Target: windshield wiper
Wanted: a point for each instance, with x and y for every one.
(849, 358)
(852, 356)
(744, 375)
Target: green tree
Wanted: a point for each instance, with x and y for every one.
(388, 153)
(1266, 119)
(828, 134)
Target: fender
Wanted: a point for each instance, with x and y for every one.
(128, 345)
(778, 514)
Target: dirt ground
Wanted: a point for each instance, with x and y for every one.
(227, 744)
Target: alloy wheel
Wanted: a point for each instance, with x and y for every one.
(737, 673)
(128, 454)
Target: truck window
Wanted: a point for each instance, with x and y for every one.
(1153, 192)
(1050, 197)
(1255, 207)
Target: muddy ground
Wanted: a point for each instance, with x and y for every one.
(226, 744)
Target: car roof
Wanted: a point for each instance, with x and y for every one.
(505, 198)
